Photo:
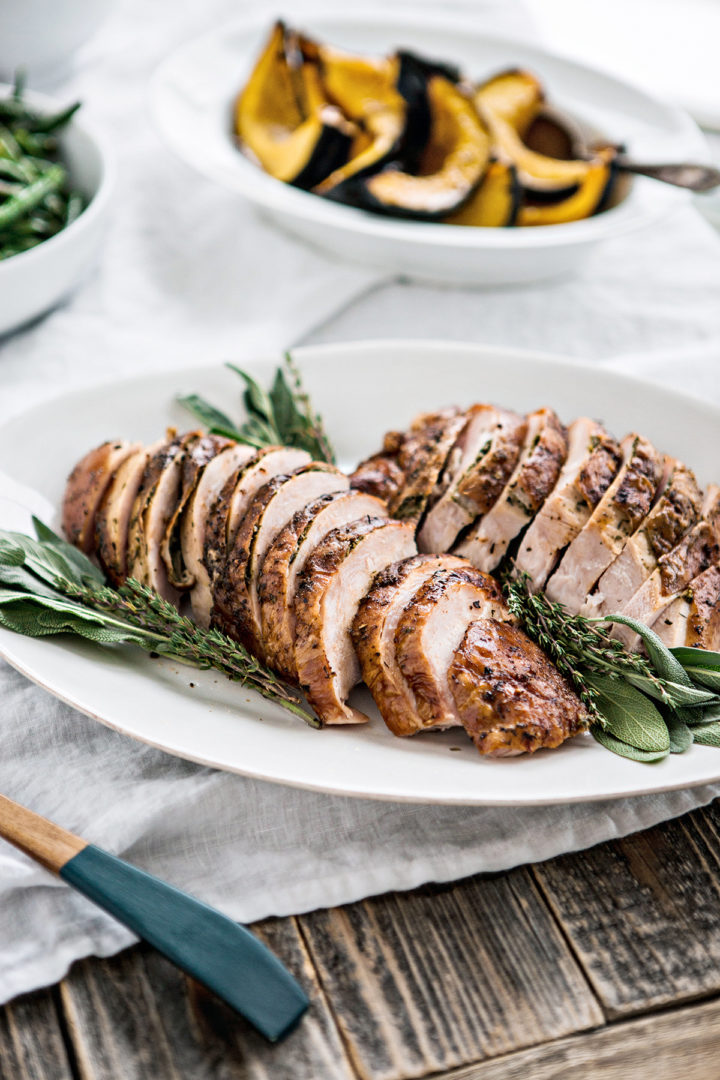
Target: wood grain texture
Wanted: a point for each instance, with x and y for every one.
(31, 1042)
(682, 1044)
(136, 1017)
(643, 913)
(38, 837)
(426, 981)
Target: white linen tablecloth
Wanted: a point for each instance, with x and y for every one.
(189, 274)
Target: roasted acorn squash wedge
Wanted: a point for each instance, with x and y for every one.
(365, 90)
(451, 166)
(591, 196)
(542, 176)
(284, 120)
(514, 95)
(495, 203)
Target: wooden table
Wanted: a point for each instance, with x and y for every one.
(599, 966)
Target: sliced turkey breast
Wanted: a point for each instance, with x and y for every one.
(696, 551)
(693, 619)
(593, 459)
(152, 510)
(236, 494)
(422, 459)
(430, 629)
(194, 521)
(510, 698)
(198, 456)
(489, 449)
(541, 458)
(379, 475)
(336, 577)
(237, 609)
(675, 511)
(285, 561)
(85, 487)
(621, 509)
(373, 635)
(112, 520)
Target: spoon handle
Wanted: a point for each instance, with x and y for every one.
(212, 948)
(683, 175)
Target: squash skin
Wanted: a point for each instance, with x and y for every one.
(287, 97)
(591, 197)
(451, 166)
(495, 203)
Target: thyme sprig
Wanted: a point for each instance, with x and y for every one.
(48, 587)
(618, 687)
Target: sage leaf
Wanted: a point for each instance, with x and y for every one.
(287, 418)
(707, 734)
(256, 399)
(681, 736)
(703, 716)
(631, 717)
(214, 420)
(702, 658)
(680, 694)
(89, 573)
(624, 750)
(666, 665)
(707, 678)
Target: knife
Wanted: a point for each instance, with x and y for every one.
(209, 946)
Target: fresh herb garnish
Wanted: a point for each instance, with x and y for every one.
(280, 416)
(49, 587)
(641, 707)
(35, 199)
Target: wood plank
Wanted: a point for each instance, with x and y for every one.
(682, 1044)
(31, 1042)
(137, 1017)
(643, 914)
(425, 981)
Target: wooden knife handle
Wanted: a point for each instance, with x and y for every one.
(38, 837)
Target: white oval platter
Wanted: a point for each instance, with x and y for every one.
(362, 390)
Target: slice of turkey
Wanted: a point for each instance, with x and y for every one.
(285, 561)
(112, 520)
(237, 608)
(480, 465)
(694, 619)
(624, 505)
(422, 458)
(541, 459)
(429, 631)
(152, 511)
(336, 577)
(373, 634)
(510, 697)
(696, 551)
(199, 454)
(194, 522)
(236, 494)
(676, 510)
(85, 487)
(593, 458)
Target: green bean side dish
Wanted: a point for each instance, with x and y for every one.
(36, 199)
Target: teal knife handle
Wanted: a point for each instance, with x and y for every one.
(216, 951)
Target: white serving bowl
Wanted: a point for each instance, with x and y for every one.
(194, 89)
(33, 282)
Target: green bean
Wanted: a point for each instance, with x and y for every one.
(17, 248)
(33, 144)
(75, 207)
(18, 205)
(14, 170)
(46, 124)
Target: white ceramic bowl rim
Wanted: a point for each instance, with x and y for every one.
(98, 201)
(276, 195)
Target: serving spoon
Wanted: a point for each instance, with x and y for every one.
(682, 175)
(216, 951)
